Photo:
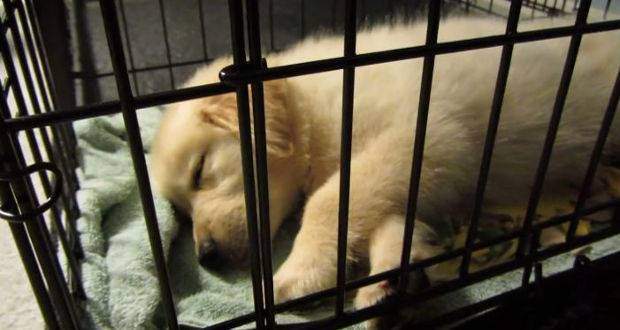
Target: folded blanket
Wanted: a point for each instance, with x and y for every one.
(118, 269)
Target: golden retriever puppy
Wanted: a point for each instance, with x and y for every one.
(196, 159)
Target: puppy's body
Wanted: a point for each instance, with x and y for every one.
(303, 133)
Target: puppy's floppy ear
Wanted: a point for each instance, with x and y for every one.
(221, 111)
(278, 121)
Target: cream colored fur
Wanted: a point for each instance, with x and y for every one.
(303, 133)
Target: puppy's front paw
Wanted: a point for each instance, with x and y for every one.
(285, 287)
(373, 294)
(295, 282)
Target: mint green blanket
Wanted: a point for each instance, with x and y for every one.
(118, 269)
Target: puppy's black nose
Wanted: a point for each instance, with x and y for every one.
(207, 254)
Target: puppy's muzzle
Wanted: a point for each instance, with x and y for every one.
(207, 253)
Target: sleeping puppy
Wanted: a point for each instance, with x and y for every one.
(196, 160)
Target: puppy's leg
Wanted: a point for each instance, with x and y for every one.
(385, 246)
(385, 249)
(312, 263)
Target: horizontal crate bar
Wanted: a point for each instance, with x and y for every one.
(154, 99)
(381, 308)
(388, 305)
(356, 284)
(393, 55)
(112, 107)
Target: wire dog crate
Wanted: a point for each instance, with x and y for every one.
(39, 103)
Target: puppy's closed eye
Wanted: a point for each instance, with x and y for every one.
(197, 176)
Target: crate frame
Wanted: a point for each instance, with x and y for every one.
(57, 294)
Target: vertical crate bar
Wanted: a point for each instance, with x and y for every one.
(348, 92)
(489, 142)
(203, 35)
(132, 65)
(529, 263)
(595, 157)
(552, 130)
(20, 99)
(51, 22)
(26, 254)
(36, 54)
(24, 198)
(162, 14)
(34, 275)
(243, 111)
(272, 45)
(434, 10)
(302, 19)
(128, 108)
(258, 108)
(65, 132)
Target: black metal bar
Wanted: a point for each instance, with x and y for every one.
(35, 103)
(357, 316)
(596, 156)
(115, 45)
(96, 75)
(607, 5)
(554, 123)
(132, 65)
(84, 52)
(489, 142)
(472, 309)
(233, 323)
(36, 53)
(358, 283)
(243, 112)
(71, 114)
(34, 275)
(348, 93)
(337, 63)
(272, 45)
(6, 87)
(164, 26)
(258, 108)
(434, 10)
(529, 260)
(203, 35)
(20, 100)
(489, 272)
(58, 136)
(302, 19)
(112, 107)
(63, 99)
(24, 197)
(28, 259)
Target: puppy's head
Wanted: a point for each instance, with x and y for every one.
(196, 163)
